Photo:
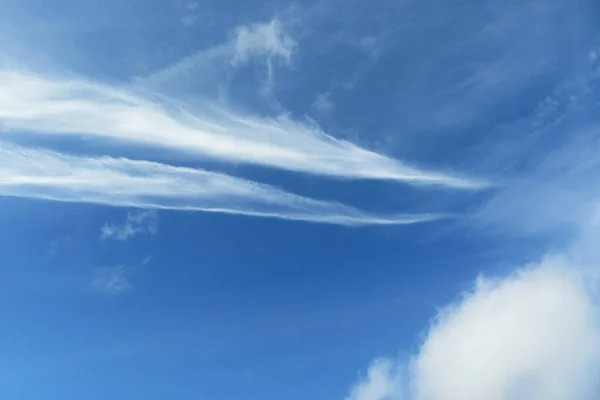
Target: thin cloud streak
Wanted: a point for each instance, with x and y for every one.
(122, 182)
(33, 103)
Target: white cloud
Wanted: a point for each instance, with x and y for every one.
(383, 382)
(200, 72)
(189, 13)
(77, 107)
(188, 20)
(263, 40)
(534, 335)
(192, 6)
(122, 182)
(147, 260)
(266, 43)
(140, 222)
(323, 103)
(112, 280)
(554, 196)
(371, 45)
(549, 163)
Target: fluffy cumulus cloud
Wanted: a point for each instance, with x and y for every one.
(534, 335)
(381, 382)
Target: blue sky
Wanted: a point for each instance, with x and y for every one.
(336, 200)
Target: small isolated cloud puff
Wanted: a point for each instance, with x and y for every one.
(262, 39)
(534, 336)
(371, 45)
(112, 280)
(323, 103)
(141, 222)
(188, 20)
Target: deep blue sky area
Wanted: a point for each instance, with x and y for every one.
(333, 200)
(219, 293)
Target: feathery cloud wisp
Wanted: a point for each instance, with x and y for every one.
(263, 39)
(112, 280)
(136, 223)
(123, 182)
(77, 107)
(265, 42)
(323, 103)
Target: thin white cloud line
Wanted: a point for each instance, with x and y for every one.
(122, 182)
(33, 103)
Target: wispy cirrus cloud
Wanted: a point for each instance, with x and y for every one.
(265, 43)
(323, 103)
(550, 162)
(112, 281)
(140, 222)
(267, 40)
(122, 182)
(39, 104)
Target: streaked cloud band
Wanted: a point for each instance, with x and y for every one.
(33, 103)
(43, 174)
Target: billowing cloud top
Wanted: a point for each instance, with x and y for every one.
(534, 335)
